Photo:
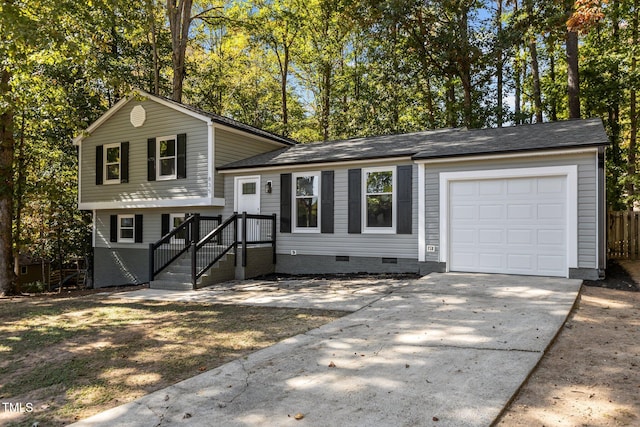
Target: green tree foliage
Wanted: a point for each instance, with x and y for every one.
(313, 70)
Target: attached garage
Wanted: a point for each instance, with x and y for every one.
(509, 225)
(512, 221)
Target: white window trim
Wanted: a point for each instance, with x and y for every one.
(570, 171)
(172, 227)
(394, 204)
(294, 210)
(160, 177)
(105, 148)
(122, 239)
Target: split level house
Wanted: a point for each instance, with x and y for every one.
(168, 185)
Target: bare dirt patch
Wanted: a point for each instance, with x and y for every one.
(591, 374)
(72, 357)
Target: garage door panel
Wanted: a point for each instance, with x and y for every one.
(467, 260)
(490, 212)
(489, 236)
(519, 186)
(551, 211)
(520, 237)
(463, 212)
(521, 262)
(550, 262)
(466, 188)
(463, 236)
(551, 185)
(524, 211)
(489, 261)
(513, 226)
(490, 188)
(555, 237)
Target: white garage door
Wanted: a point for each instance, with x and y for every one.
(513, 226)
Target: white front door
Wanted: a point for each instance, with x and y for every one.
(248, 200)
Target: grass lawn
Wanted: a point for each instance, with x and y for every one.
(74, 357)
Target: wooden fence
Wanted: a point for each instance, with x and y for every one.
(623, 235)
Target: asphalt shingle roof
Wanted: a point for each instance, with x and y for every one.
(438, 144)
(231, 122)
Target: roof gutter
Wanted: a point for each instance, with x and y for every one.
(315, 165)
(505, 155)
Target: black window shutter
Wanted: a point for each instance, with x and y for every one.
(404, 182)
(138, 228)
(165, 224)
(326, 201)
(114, 228)
(182, 156)
(99, 164)
(355, 201)
(285, 203)
(124, 162)
(151, 159)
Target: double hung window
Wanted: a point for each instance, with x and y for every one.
(306, 201)
(167, 156)
(112, 163)
(379, 199)
(126, 228)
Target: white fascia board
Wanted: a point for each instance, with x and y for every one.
(172, 105)
(110, 112)
(138, 204)
(313, 166)
(570, 171)
(136, 93)
(507, 155)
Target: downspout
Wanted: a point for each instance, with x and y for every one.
(602, 214)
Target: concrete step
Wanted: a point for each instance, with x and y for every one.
(171, 285)
(171, 275)
(177, 276)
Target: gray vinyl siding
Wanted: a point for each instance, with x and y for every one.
(233, 146)
(151, 224)
(160, 121)
(340, 242)
(587, 197)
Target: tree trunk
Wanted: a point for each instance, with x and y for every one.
(19, 185)
(573, 81)
(283, 88)
(326, 99)
(552, 75)
(7, 143)
(465, 69)
(633, 131)
(179, 15)
(517, 92)
(535, 75)
(450, 103)
(499, 64)
(154, 47)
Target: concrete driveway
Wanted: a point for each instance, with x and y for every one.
(443, 350)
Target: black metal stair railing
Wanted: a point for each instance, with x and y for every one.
(208, 240)
(178, 241)
(254, 230)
